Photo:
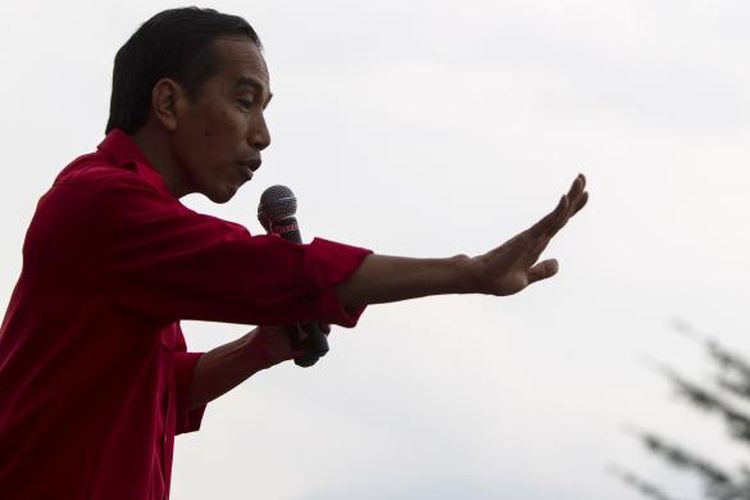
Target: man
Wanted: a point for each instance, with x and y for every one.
(95, 379)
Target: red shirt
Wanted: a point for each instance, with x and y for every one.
(94, 373)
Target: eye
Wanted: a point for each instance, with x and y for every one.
(245, 103)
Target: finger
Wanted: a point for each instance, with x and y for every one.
(568, 205)
(544, 230)
(550, 220)
(543, 270)
(580, 203)
(578, 186)
(576, 191)
(577, 197)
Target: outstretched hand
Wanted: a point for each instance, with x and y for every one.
(512, 266)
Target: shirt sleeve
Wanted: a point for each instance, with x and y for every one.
(184, 365)
(166, 261)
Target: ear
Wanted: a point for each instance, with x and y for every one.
(167, 98)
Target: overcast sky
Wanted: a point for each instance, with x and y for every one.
(430, 128)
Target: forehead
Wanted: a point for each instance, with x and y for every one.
(240, 58)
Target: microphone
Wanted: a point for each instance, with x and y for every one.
(276, 212)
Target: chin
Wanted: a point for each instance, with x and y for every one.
(221, 196)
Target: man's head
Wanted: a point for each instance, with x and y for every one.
(194, 80)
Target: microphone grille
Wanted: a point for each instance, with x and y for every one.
(276, 203)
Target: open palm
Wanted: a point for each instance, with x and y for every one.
(514, 265)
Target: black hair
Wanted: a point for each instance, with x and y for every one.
(175, 43)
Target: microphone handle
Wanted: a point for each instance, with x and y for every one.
(315, 345)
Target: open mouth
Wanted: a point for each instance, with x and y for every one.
(249, 167)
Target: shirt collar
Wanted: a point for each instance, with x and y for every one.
(121, 148)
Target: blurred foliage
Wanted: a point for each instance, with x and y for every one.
(722, 395)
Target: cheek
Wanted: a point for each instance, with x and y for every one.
(209, 126)
(221, 128)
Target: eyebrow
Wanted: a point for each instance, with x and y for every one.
(244, 81)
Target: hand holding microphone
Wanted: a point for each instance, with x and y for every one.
(276, 212)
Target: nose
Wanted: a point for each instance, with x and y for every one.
(259, 137)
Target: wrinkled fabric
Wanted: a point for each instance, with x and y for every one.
(94, 372)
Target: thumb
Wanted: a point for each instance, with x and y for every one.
(543, 270)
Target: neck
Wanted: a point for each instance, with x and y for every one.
(155, 147)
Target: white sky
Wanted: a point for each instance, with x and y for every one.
(428, 129)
